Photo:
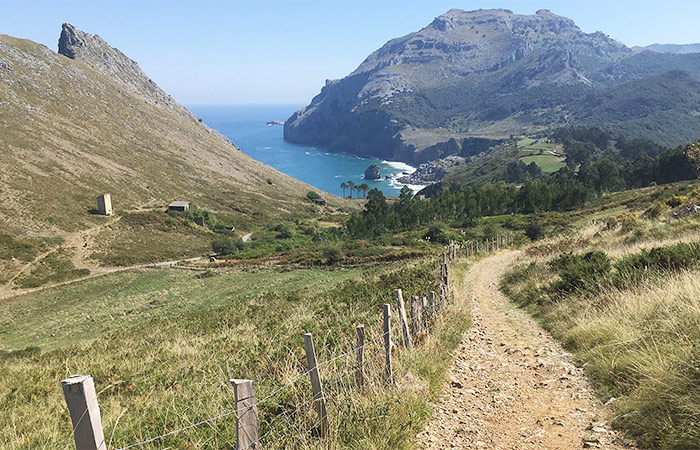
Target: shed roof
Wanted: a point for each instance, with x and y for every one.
(179, 203)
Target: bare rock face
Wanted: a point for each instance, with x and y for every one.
(95, 52)
(373, 172)
(98, 54)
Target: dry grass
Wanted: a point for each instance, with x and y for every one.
(641, 345)
(173, 370)
(638, 342)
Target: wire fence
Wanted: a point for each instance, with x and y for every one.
(339, 383)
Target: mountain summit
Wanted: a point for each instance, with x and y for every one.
(489, 73)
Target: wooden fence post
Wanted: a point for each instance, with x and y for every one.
(316, 386)
(360, 350)
(407, 342)
(445, 274)
(415, 315)
(425, 314)
(431, 305)
(246, 414)
(389, 370)
(81, 399)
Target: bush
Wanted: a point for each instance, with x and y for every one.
(656, 210)
(534, 230)
(676, 201)
(333, 254)
(674, 257)
(284, 231)
(226, 245)
(581, 272)
(313, 195)
(490, 230)
(437, 234)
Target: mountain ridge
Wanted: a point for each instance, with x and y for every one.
(484, 73)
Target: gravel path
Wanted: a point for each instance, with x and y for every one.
(511, 385)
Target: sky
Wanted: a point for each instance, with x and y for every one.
(267, 52)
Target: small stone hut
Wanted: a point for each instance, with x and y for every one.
(179, 206)
(104, 205)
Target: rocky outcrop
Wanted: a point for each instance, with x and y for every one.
(432, 172)
(95, 52)
(373, 172)
(486, 73)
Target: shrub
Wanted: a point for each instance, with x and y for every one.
(676, 201)
(581, 272)
(656, 210)
(674, 257)
(313, 195)
(333, 254)
(490, 230)
(226, 245)
(534, 230)
(437, 234)
(284, 231)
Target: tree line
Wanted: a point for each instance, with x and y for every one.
(461, 204)
(628, 165)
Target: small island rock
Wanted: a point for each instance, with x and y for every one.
(373, 172)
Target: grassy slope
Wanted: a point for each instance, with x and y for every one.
(636, 340)
(161, 346)
(107, 305)
(69, 133)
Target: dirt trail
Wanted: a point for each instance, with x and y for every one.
(512, 386)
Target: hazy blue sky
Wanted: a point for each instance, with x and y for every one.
(261, 51)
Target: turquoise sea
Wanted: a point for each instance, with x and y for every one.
(245, 126)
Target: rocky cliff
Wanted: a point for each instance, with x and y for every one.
(486, 73)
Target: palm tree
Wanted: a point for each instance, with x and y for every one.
(352, 186)
(343, 186)
(364, 187)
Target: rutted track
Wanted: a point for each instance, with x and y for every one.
(512, 386)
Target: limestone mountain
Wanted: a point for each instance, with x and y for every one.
(87, 120)
(492, 74)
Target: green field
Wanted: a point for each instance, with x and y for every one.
(548, 163)
(122, 301)
(162, 345)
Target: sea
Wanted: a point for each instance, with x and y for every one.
(246, 126)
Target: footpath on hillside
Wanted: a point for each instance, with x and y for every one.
(512, 386)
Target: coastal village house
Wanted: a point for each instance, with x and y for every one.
(104, 205)
(179, 206)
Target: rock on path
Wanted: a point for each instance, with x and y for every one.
(511, 385)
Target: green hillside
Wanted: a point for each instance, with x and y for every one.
(72, 129)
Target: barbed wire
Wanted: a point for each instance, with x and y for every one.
(228, 413)
(249, 407)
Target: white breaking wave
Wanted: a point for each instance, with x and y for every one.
(403, 167)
